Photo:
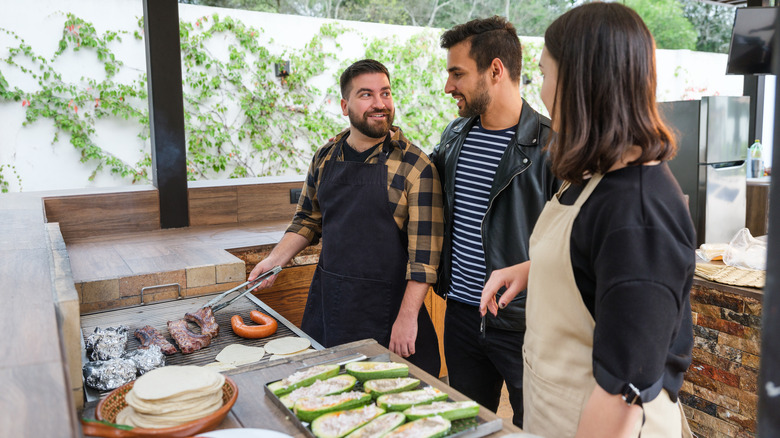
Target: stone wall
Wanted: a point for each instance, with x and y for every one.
(720, 392)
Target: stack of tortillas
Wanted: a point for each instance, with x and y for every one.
(172, 395)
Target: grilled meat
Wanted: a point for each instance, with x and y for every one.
(205, 319)
(187, 341)
(148, 336)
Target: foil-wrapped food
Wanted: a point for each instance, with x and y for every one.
(107, 343)
(109, 374)
(146, 359)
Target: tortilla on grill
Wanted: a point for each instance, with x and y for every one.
(287, 345)
(238, 354)
(219, 366)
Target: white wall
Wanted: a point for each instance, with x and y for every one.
(41, 165)
(685, 75)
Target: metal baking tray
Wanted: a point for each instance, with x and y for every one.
(465, 428)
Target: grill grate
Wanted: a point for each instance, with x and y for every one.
(157, 315)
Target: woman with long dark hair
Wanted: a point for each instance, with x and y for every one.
(609, 331)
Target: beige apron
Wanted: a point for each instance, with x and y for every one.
(557, 353)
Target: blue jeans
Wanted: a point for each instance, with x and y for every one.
(479, 363)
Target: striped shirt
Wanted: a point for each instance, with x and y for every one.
(474, 174)
(414, 196)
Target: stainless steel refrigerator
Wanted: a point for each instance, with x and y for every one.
(712, 138)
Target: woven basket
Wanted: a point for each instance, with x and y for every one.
(731, 275)
(108, 408)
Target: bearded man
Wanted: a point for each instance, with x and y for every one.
(496, 181)
(375, 200)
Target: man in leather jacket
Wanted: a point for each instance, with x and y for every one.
(496, 181)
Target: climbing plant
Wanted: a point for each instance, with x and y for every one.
(532, 75)
(74, 107)
(4, 184)
(241, 118)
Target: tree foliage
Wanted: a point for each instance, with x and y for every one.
(713, 23)
(675, 24)
(666, 22)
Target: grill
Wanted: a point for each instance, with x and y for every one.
(157, 315)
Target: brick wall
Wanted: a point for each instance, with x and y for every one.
(720, 394)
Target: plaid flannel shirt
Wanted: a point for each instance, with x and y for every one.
(414, 192)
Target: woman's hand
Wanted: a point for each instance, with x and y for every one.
(607, 414)
(513, 278)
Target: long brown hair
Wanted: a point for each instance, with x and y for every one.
(605, 95)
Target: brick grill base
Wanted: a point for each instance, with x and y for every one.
(720, 394)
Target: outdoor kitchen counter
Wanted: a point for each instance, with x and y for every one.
(36, 398)
(39, 327)
(40, 368)
(255, 409)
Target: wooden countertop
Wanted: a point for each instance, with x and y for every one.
(33, 368)
(254, 409)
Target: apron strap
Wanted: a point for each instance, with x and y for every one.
(588, 189)
(387, 147)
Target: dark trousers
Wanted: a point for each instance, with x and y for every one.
(478, 364)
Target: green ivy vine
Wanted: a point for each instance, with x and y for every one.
(241, 120)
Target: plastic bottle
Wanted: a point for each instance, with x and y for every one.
(755, 161)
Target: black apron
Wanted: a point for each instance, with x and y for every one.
(360, 279)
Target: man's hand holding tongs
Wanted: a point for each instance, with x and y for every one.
(260, 268)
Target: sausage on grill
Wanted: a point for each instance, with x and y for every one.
(148, 336)
(187, 341)
(204, 317)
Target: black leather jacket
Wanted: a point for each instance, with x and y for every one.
(522, 185)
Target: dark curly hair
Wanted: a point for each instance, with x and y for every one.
(490, 38)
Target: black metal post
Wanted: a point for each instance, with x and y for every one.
(769, 374)
(166, 110)
(753, 86)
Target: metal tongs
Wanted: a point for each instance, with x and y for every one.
(213, 303)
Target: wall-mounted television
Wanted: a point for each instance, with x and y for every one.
(750, 52)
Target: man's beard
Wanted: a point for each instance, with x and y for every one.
(369, 129)
(478, 103)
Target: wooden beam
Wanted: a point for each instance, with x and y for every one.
(166, 110)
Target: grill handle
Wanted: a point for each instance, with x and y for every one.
(178, 289)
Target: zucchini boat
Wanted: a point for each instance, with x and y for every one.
(332, 386)
(376, 370)
(303, 378)
(405, 400)
(341, 423)
(379, 426)
(309, 408)
(428, 427)
(450, 410)
(379, 387)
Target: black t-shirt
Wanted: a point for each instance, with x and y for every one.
(632, 252)
(353, 155)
